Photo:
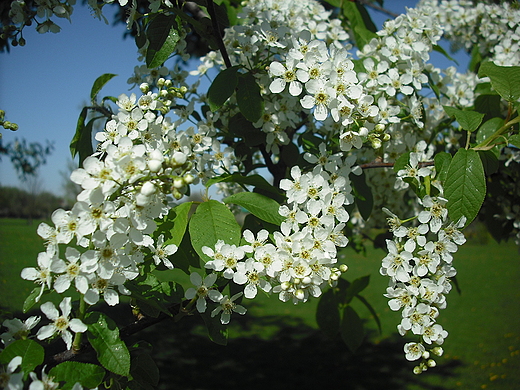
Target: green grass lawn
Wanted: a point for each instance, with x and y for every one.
(481, 352)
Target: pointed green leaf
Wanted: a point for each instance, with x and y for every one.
(441, 50)
(103, 335)
(259, 205)
(371, 310)
(487, 129)
(79, 131)
(360, 22)
(30, 301)
(185, 255)
(363, 195)
(222, 87)
(465, 185)
(515, 140)
(31, 352)
(249, 98)
(327, 313)
(355, 288)
(468, 120)
(352, 330)
(442, 164)
(402, 162)
(211, 222)
(180, 223)
(504, 79)
(489, 161)
(144, 370)
(86, 374)
(163, 37)
(100, 83)
(217, 332)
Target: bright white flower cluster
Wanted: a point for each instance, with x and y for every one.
(419, 264)
(142, 160)
(492, 28)
(295, 262)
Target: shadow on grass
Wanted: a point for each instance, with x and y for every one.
(294, 356)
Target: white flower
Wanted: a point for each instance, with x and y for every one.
(9, 380)
(161, 252)
(18, 329)
(227, 306)
(61, 323)
(251, 272)
(436, 213)
(74, 271)
(43, 275)
(203, 290)
(413, 351)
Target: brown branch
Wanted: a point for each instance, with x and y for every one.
(218, 35)
(378, 8)
(379, 164)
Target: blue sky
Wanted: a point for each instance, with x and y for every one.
(44, 85)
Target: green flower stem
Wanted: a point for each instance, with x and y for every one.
(485, 145)
(76, 344)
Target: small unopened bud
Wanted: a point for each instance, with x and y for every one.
(188, 179)
(306, 280)
(376, 143)
(417, 370)
(160, 81)
(179, 158)
(386, 137)
(438, 351)
(343, 268)
(379, 128)
(148, 188)
(154, 165)
(285, 286)
(431, 363)
(299, 294)
(144, 87)
(363, 131)
(178, 183)
(426, 355)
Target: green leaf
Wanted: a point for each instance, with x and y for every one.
(487, 129)
(442, 164)
(253, 180)
(515, 140)
(249, 98)
(504, 79)
(222, 87)
(363, 195)
(239, 126)
(360, 22)
(259, 205)
(100, 83)
(163, 37)
(211, 222)
(185, 255)
(468, 120)
(327, 313)
(180, 223)
(371, 310)
(30, 301)
(79, 131)
(402, 162)
(465, 185)
(352, 330)
(88, 375)
(217, 332)
(103, 335)
(356, 287)
(154, 296)
(144, 370)
(31, 352)
(489, 161)
(440, 49)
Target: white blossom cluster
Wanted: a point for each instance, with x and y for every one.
(143, 162)
(295, 262)
(12, 377)
(419, 265)
(494, 29)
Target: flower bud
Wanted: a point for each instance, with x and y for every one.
(156, 155)
(379, 128)
(188, 179)
(178, 183)
(179, 158)
(343, 268)
(306, 280)
(438, 351)
(431, 363)
(363, 131)
(148, 188)
(144, 87)
(299, 294)
(285, 286)
(142, 200)
(154, 165)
